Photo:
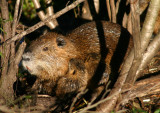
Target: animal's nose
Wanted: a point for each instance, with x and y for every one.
(25, 57)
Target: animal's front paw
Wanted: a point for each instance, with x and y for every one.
(67, 85)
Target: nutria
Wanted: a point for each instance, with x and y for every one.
(70, 63)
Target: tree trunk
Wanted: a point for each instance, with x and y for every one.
(7, 79)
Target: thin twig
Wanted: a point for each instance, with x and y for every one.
(14, 25)
(117, 5)
(42, 23)
(76, 98)
(20, 11)
(98, 103)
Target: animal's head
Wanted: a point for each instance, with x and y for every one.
(48, 55)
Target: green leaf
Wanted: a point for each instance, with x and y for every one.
(157, 111)
(134, 110)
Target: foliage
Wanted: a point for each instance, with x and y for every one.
(157, 111)
(135, 110)
(28, 9)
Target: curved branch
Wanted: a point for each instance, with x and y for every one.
(152, 49)
(149, 23)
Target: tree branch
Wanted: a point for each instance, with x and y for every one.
(108, 105)
(129, 24)
(14, 25)
(113, 10)
(137, 42)
(42, 23)
(7, 34)
(141, 88)
(43, 16)
(149, 23)
(50, 12)
(108, 9)
(152, 49)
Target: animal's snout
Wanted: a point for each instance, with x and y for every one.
(26, 57)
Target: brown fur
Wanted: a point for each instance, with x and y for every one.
(70, 63)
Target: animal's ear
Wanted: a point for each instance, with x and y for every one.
(60, 41)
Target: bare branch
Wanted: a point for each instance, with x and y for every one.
(143, 5)
(152, 49)
(19, 53)
(50, 12)
(76, 98)
(20, 12)
(149, 23)
(7, 28)
(129, 23)
(12, 55)
(51, 24)
(137, 42)
(96, 5)
(108, 106)
(14, 25)
(113, 10)
(125, 19)
(42, 23)
(141, 88)
(98, 103)
(117, 5)
(108, 9)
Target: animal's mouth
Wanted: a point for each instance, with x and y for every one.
(27, 65)
(28, 68)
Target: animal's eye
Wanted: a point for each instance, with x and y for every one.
(45, 49)
(60, 42)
